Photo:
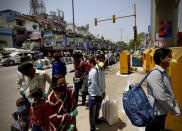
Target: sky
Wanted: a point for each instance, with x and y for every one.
(87, 10)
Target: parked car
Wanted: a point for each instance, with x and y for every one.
(4, 54)
(14, 57)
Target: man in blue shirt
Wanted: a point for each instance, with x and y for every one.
(59, 67)
(96, 91)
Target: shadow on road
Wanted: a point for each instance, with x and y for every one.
(115, 127)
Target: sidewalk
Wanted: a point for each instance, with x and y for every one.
(116, 84)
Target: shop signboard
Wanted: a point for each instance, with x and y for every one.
(49, 33)
(59, 40)
(36, 35)
(6, 31)
(48, 42)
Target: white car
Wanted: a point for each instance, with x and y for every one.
(14, 58)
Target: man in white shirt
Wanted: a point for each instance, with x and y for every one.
(96, 90)
(160, 93)
(33, 78)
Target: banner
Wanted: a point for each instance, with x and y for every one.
(165, 29)
(36, 35)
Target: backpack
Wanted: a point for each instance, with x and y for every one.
(137, 106)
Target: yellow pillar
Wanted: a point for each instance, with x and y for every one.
(124, 61)
(175, 123)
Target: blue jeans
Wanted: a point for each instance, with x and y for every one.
(37, 128)
(94, 103)
(77, 87)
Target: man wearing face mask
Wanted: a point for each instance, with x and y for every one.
(159, 88)
(33, 78)
(96, 91)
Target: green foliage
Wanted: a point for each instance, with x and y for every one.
(140, 37)
(122, 43)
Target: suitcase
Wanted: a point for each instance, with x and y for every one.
(110, 111)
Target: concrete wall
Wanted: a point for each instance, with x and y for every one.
(5, 24)
(180, 17)
(29, 26)
(162, 11)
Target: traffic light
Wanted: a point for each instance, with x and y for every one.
(114, 18)
(95, 21)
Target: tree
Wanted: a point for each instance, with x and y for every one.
(125, 45)
(140, 37)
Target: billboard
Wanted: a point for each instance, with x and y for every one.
(165, 29)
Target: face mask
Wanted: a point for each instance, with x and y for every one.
(31, 100)
(21, 108)
(173, 62)
(101, 64)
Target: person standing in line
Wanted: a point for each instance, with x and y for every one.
(81, 70)
(96, 91)
(59, 67)
(160, 93)
(21, 116)
(33, 78)
(37, 110)
(60, 107)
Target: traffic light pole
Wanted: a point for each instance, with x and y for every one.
(114, 18)
(135, 37)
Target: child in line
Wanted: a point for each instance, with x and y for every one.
(37, 109)
(21, 116)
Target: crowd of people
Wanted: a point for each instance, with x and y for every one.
(55, 109)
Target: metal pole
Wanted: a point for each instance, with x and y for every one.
(121, 34)
(73, 22)
(135, 23)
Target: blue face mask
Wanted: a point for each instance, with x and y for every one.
(31, 100)
(21, 108)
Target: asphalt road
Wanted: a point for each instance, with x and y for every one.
(8, 96)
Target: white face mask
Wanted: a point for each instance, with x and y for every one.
(173, 62)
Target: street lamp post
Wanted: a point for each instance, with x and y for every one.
(73, 22)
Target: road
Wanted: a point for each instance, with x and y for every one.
(115, 86)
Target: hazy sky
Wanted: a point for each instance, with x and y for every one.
(87, 10)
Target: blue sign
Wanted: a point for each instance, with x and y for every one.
(146, 35)
(148, 28)
(6, 31)
(48, 40)
(49, 33)
(9, 18)
(65, 41)
(88, 45)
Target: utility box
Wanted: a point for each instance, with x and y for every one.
(146, 59)
(124, 62)
(175, 123)
(151, 59)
